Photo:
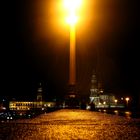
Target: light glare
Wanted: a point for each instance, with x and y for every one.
(72, 5)
(72, 19)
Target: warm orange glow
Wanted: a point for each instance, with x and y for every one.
(72, 19)
(104, 102)
(72, 71)
(127, 99)
(71, 7)
(116, 100)
(50, 19)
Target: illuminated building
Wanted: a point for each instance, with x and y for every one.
(99, 98)
(28, 105)
(94, 97)
(39, 93)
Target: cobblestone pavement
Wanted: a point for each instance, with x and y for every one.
(69, 124)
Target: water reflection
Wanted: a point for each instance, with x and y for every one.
(116, 112)
(125, 113)
(128, 114)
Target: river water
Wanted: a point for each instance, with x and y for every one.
(122, 112)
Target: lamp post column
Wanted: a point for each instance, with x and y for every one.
(72, 7)
(72, 65)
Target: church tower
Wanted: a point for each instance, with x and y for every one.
(94, 97)
(39, 93)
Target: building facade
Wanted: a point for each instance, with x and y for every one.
(99, 98)
(28, 105)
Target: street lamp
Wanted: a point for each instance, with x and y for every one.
(127, 100)
(116, 101)
(71, 10)
(72, 7)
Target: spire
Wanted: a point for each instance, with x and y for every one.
(39, 92)
(94, 80)
(94, 97)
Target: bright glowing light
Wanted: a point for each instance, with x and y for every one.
(104, 102)
(127, 99)
(116, 112)
(4, 108)
(72, 19)
(72, 5)
(88, 107)
(101, 91)
(71, 8)
(116, 100)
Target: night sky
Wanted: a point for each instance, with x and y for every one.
(35, 47)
